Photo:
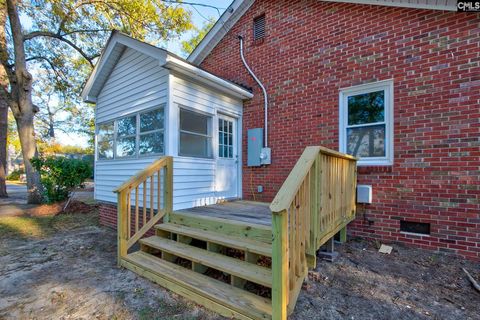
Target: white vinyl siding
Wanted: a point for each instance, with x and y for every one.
(138, 85)
(194, 178)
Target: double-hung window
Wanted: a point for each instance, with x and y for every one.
(366, 122)
(195, 134)
(126, 137)
(151, 132)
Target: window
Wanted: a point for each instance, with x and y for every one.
(259, 28)
(366, 123)
(136, 135)
(105, 138)
(151, 132)
(225, 138)
(195, 134)
(126, 137)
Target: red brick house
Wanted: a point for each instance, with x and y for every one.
(314, 52)
(395, 83)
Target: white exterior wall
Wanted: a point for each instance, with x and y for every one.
(138, 82)
(194, 178)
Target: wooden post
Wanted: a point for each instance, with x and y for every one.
(280, 290)
(121, 227)
(168, 189)
(343, 234)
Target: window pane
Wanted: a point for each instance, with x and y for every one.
(366, 108)
(194, 145)
(126, 147)
(105, 129)
(194, 122)
(105, 149)
(366, 141)
(151, 143)
(152, 120)
(126, 126)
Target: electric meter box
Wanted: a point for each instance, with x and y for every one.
(254, 147)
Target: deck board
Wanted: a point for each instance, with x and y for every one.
(240, 210)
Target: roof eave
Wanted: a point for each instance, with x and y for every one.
(231, 15)
(191, 71)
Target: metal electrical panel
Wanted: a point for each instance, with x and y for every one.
(254, 147)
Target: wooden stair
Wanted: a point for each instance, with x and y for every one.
(220, 271)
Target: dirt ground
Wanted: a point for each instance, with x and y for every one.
(66, 269)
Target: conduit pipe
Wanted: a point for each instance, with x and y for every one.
(265, 97)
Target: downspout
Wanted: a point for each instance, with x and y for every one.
(265, 97)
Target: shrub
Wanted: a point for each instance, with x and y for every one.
(15, 174)
(61, 175)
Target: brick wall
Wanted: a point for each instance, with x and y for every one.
(314, 48)
(108, 214)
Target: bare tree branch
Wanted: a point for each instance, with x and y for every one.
(49, 34)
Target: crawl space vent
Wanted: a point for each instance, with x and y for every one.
(259, 28)
(415, 227)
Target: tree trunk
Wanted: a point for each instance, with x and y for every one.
(22, 106)
(29, 150)
(3, 146)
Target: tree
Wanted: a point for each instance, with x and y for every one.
(189, 45)
(68, 33)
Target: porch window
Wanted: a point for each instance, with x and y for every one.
(151, 132)
(366, 123)
(195, 134)
(126, 137)
(105, 138)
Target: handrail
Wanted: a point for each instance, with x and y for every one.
(315, 202)
(139, 177)
(286, 194)
(153, 185)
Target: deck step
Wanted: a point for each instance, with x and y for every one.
(235, 267)
(212, 293)
(222, 226)
(239, 243)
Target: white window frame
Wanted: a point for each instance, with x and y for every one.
(140, 133)
(387, 87)
(209, 135)
(117, 137)
(137, 154)
(97, 132)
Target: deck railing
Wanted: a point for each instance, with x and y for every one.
(142, 201)
(315, 202)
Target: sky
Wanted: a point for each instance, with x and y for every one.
(199, 16)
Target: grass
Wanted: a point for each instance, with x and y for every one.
(40, 227)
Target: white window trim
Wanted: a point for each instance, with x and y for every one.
(117, 137)
(387, 86)
(137, 154)
(140, 133)
(209, 135)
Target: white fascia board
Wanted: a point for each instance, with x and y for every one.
(231, 15)
(428, 4)
(93, 76)
(206, 78)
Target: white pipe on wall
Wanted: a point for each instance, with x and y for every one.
(265, 97)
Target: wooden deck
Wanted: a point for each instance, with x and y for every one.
(217, 255)
(240, 210)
